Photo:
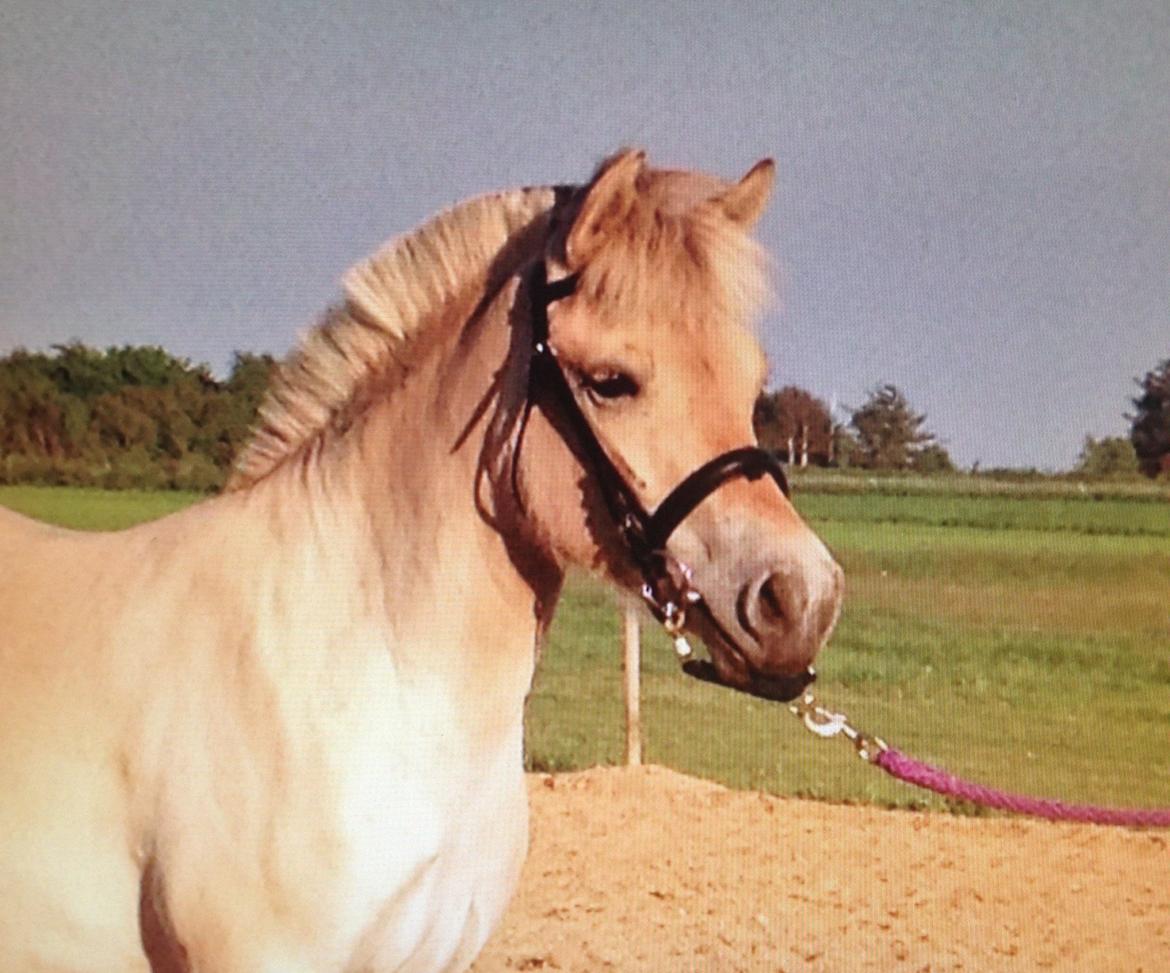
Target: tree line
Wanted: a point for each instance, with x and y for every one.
(124, 417)
(141, 417)
(886, 433)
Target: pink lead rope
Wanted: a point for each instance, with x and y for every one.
(897, 764)
(874, 750)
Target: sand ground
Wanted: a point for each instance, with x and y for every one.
(646, 869)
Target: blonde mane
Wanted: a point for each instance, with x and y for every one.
(390, 299)
(673, 258)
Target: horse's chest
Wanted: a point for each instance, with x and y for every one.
(435, 874)
(398, 848)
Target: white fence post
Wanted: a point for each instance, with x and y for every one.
(632, 672)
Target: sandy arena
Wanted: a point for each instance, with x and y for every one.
(646, 869)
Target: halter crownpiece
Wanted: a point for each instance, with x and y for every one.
(666, 581)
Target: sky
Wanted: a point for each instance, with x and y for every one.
(972, 202)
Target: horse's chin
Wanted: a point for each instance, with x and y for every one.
(729, 667)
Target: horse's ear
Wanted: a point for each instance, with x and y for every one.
(606, 202)
(745, 201)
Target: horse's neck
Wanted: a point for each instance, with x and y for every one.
(460, 603)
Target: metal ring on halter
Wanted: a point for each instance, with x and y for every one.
(675, 619)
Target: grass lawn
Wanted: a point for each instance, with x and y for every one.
(990, 635)
(1021, 640)
(84, 508)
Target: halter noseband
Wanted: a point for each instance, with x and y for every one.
(666, 582)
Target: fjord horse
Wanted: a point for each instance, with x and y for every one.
(282, 729)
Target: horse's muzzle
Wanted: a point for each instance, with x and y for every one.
(781, 689)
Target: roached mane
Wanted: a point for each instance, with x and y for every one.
(390, 299)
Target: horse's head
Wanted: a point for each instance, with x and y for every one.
(652, 332)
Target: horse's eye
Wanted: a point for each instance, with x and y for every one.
(609, 385)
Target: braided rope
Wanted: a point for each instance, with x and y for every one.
(907, 769)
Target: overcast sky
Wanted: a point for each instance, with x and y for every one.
(973, 199)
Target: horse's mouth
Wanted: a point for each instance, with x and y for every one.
(781, 689)
(729, 667)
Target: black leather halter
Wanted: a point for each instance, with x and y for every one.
(666, 582)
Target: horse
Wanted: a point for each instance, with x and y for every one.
(282, 729)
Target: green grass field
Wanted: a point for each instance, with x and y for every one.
(1016, 637)
(85, 508)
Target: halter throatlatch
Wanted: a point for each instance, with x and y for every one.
(666, 582)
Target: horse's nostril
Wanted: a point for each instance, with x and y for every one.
(744, 613)
(771, 606)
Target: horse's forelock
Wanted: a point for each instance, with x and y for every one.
(674, 257)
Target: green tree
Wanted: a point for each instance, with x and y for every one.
(889, 433)
(87, 372)
(844, 452)
(120, 423)
(127, 416)
(931, 458)
(1150, 429)
(244, 391)
(249, 380)
(36, 417)
(1108, 456)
